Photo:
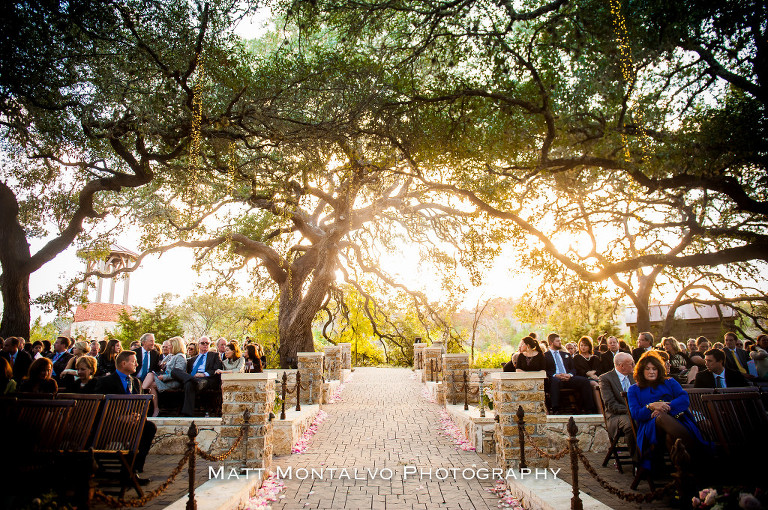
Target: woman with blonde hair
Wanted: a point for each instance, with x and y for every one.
(233, 361)
(80, 349)
(158, 383)
(86, 380)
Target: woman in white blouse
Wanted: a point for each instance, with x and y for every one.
(233, 361)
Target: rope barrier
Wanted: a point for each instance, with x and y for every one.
(622, 494)
(223, 456)
(557, 456)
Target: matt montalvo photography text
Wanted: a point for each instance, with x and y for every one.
(406, 473)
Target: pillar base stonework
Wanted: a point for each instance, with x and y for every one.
(333, 361)
(311, 363)
(346, 355)
(255, 393)
(433, 359)
(418, 355)
(454, 366)
(510, 390)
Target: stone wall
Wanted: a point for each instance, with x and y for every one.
(592, 435)
(510, 390)
(333, 362)
(479, 430)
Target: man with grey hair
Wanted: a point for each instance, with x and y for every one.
(644, 344)
(200, 374)
(612, 384)
(147, 357)
(221, 347)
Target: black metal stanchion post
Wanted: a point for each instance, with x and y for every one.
(247, 426)
(284, 388)
(573, 445)
(298, 390)
(191, 446)
(521, 435)
(466, 388)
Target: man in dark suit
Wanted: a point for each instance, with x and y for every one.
(19, 360)
(612, 384)
(200, 374)
(735, 358)
(147, 357)
(560, 374)
(717, 375)
(606, 358)
(121, 382)
(60, 356)
(644, 344)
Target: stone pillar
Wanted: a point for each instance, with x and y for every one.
(311, 363)
(418, 355)
(256, 393)
(333, 361)
(510, 390)
(346, 356)
(454, 366)
(433, 358)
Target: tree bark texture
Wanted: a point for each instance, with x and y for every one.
(14, 258)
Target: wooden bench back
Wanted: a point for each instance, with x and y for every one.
(121, 423)
(700, 412)
(80, 426)
(739, 420)
(43, 422)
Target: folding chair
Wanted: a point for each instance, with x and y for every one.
(619, 453)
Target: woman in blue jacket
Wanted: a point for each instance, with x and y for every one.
(660, 406)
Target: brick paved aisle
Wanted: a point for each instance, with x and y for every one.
(384, 422)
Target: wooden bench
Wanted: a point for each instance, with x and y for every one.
(79, 429)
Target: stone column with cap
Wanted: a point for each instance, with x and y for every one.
(346, 355)
(311, 363)
(433, 360)
(454, 366)
(333, 361)
(418, 355)
(255, 393)
(511, 390)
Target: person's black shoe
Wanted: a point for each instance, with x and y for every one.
(142, 480)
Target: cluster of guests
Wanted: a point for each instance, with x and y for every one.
(105, 368)
(650, 376)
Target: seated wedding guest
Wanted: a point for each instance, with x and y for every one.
(147, 357)
(760, 356)
(718, 345)
(697, 356)
(717, 375)
(262, 355)
(571, 348)
(95, 348)
(531, 358)
(37, 350)
(606, 358)
(47, 352)
(612, 384)
(560, 374)
(165, 354)
(233, 361)
(691, 346)
(7, 382)
(659, 405)
(221, 348)
(121, 382)
(252, 360)
(135, 345)
(192, 350)
(79, 350)
(86, 376)
(158, 383)
(644, 344)
(624, 347)
(19, 360)
(200, 373)
(509, 366)
(39, 378)
(60, 356)
(678, 362)
(586, 364)
(103, 345)
(735, 357)
(106, 360)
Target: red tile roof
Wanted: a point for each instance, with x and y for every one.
(108, 312)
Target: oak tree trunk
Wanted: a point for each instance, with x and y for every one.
(14, 257)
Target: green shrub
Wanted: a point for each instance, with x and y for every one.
(493, 358)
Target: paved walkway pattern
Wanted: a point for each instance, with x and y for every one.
(384, 423)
